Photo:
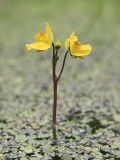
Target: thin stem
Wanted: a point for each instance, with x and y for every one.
(53, 50)
(62, 66)
(56, 52)
(54, 61)
(54, 112)
(55, 82)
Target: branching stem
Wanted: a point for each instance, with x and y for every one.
(55, 82)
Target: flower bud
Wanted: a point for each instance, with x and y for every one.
(58, 44)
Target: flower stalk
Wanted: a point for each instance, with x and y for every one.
(55, 84)
(54, 62)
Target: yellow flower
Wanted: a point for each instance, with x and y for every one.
(58, 44)
(43, 40)
(76, 48)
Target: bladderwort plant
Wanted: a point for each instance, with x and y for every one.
(44, 41)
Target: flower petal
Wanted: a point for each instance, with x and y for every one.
(70, 40)
(81, 51)
(85, 49)
(41, 37)
(49, 34)
(38, 46)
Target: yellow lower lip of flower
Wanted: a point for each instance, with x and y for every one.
(37, 46)
(79, 50)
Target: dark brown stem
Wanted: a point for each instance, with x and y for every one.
(54, 112)
(55, 82)
(62, 66)
(54, 61)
